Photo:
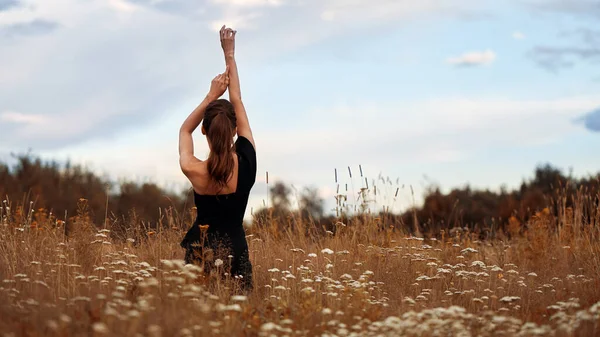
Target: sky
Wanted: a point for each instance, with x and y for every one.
(451, 92)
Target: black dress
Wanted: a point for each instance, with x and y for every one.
(225, 238)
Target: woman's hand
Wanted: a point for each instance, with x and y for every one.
(218, 85)
(228, 41)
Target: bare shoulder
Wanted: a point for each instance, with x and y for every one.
(202, 182)
(198, 176)
(193, 167)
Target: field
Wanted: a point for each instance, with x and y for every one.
(360, 280)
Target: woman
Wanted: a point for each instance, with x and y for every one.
(221, 183)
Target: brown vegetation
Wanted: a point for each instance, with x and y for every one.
(360, 276)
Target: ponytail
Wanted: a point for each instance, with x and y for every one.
(219, 124)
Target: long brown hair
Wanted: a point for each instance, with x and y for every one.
(219, 124)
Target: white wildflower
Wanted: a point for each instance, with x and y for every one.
(509, 299)
(308, 290)
(65, 319)
(479, 264)
(408, 300)
(100, 328)
(133, 313)
(167, 263)
(468, 250)
(269, 326)
(346, 277)
(327, 251)
(232, 307)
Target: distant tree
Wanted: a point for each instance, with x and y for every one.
(280, 195)
(61, 187)
(547, 177)
(311, 204)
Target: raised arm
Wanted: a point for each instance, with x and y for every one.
(187, 160)
(235, 95)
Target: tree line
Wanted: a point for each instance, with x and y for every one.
(31, 183)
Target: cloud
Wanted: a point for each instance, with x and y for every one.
(435, 131)
(585, 47)
(432, 131)
(475, 58)
(249, 3)
(343, 11)
(298, 23)
(122, 6)
(100, 75)
(518, 35)
(431, 134)
(8, 4)
(588, 36)
(34, 27)
(120, 64)
(592, 121)
(555, 58)
(20, 118)
(186, 8)
(240, 14)
(574, 7)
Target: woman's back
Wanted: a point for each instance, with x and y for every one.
(225, 211)
(224, 215)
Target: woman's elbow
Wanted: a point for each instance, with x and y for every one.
(184, 130)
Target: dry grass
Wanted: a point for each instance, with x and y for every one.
(359, 282)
